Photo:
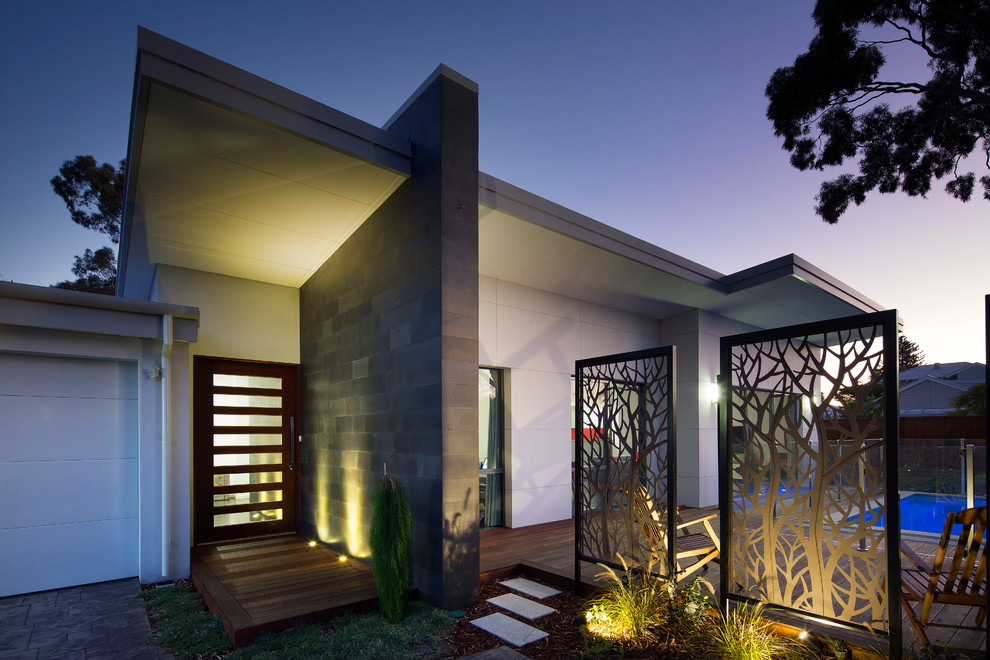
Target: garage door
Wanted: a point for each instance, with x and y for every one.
(68, 472)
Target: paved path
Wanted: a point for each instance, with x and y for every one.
(103, 621)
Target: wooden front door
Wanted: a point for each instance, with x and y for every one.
(245, 426)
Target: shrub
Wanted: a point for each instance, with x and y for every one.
(689, 609)
(744, 634)
(391, 530)
(632, 609)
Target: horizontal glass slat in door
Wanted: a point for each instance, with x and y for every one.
(220, 421)
(246, 478)
(232, 460)
(245, 517)
(261, 382)
(245, 439)
(256, 497)
(247, 400)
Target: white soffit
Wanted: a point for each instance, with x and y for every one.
(522, 252)
(558, 254)
(222, 192)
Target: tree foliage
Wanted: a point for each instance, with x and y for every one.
(94, 195)
(391, 532)
(971, 402)
(96, 272)
(832, 104)
(863, 399)
(909, 354)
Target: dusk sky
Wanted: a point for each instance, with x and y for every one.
(647, 116)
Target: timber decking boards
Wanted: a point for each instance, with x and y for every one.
(272, 583)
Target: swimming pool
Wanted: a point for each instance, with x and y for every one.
(925, 512)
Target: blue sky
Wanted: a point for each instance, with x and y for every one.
(648, 116)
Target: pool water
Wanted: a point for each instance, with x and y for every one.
(925, 512)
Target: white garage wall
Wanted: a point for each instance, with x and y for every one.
(536, 337)
(68, 471)
(81, 439)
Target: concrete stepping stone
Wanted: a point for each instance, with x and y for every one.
(521, 606)
(497, 653)
(514, 632)
(530, 588)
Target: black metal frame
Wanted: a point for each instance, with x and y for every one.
(666, 353)
(887, 321)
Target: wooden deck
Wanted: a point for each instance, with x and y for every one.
(273, 583)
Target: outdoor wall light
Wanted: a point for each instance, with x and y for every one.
(712, 390)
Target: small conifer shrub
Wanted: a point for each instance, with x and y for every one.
(391, 530)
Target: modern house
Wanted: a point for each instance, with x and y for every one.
(306, 300)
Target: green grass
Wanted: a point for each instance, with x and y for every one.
(188, 631)
(419, 634)
(183, 625)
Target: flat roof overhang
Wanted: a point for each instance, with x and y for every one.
(528, 240)
(229, 173)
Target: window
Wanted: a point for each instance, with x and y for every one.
(491, 487)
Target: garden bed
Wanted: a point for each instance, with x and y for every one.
(680, 634)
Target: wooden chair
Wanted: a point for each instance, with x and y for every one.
(960, 581)
(701, 547)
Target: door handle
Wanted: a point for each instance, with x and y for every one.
(292, 443)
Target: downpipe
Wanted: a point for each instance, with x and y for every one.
(166, 470)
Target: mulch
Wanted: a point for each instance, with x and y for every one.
(564, 638)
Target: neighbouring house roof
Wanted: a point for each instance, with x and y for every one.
(971, 372)
(930, 396)
(232, 174)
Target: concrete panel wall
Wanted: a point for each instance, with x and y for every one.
(695, 335)
(536, 336)
(240, 319)
(389, 354)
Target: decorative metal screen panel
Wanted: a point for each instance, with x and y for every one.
(624, 452)
(808, 428)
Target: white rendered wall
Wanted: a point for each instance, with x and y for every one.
(696, 337)
(239, 319)
(536, 337)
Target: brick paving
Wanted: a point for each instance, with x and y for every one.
(104, 621)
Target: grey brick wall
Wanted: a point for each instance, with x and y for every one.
(389, 342)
